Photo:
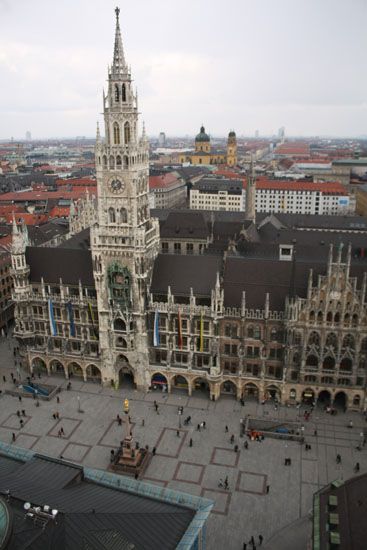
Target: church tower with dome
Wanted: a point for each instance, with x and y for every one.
(205, 154)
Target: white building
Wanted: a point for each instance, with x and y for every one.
(292, 197)
(299, 197)
(218, 194)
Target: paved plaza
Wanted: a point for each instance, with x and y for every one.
(246, 508)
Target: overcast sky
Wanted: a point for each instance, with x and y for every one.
(230, 64)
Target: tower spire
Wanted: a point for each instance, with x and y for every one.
(119, 63)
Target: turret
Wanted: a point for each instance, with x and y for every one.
(250, 212)
(232, 149)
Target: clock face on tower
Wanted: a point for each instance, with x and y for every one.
(116, 185)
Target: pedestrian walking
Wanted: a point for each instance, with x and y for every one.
(204, 425)
(178, 433)
(261, 538)
(226, 484)
(245, 444)
(13, 437)
(154, 451)
(315, 433)
(20, 398)
(57, 399)
(62, 431)
(112, 456)
(18, 413)
(190, 443)
(338, 459)
(267, 489)
(232, 438)
(118, 418)
(59, 433)
(136, 475)
(236, 448)
(54, 416)
(356, 467)
(226, 429)
(252, 541)
(244, 546)
(198, 427)
(23, 412)
(4, 379)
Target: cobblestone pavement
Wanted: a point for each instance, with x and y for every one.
(245, 509)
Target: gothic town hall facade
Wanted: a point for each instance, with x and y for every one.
(262, 308)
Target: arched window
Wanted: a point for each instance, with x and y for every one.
(105, 161)
(355, 320)
(112, 162)
(126, 161)
(123, 215)
(126, 132)
(117, 93)
(329, 317)
(250, 331)
(312, 361)
(118, 161)
(328, 363)
(123, 92)
(346, 319)
(111, 215)
(320, 317)
(116, 133)
(257, 332)
(314, 339)
(312, 316)
(346, 364)
(120, 325)
(337, 318)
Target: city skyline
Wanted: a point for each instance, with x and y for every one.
(304, 71)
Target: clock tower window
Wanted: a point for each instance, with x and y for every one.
(117, 93)
(123, 93)
(118, 161)
(126, 161)
(112, 162)
(126, 133)
(111, 215)
(116, 134)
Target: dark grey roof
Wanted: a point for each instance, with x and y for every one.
(53, 264)
(184, 224)
(350, 223)
(213, 185)
(91, 516)
(184, 272)
(260, 275)
(80, 241)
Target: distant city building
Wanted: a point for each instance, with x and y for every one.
(28, 136)
(205, 154)
(162, 139)
(281, 133)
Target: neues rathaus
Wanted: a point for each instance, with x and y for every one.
(270, 306)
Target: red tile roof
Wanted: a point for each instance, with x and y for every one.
(59, 212)
(29, 219)
(76, 182)
(163, 181)
(34, 196)
(328, 188)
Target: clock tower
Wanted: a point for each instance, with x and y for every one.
(125, 239)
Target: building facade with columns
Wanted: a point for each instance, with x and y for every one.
(238, 317)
